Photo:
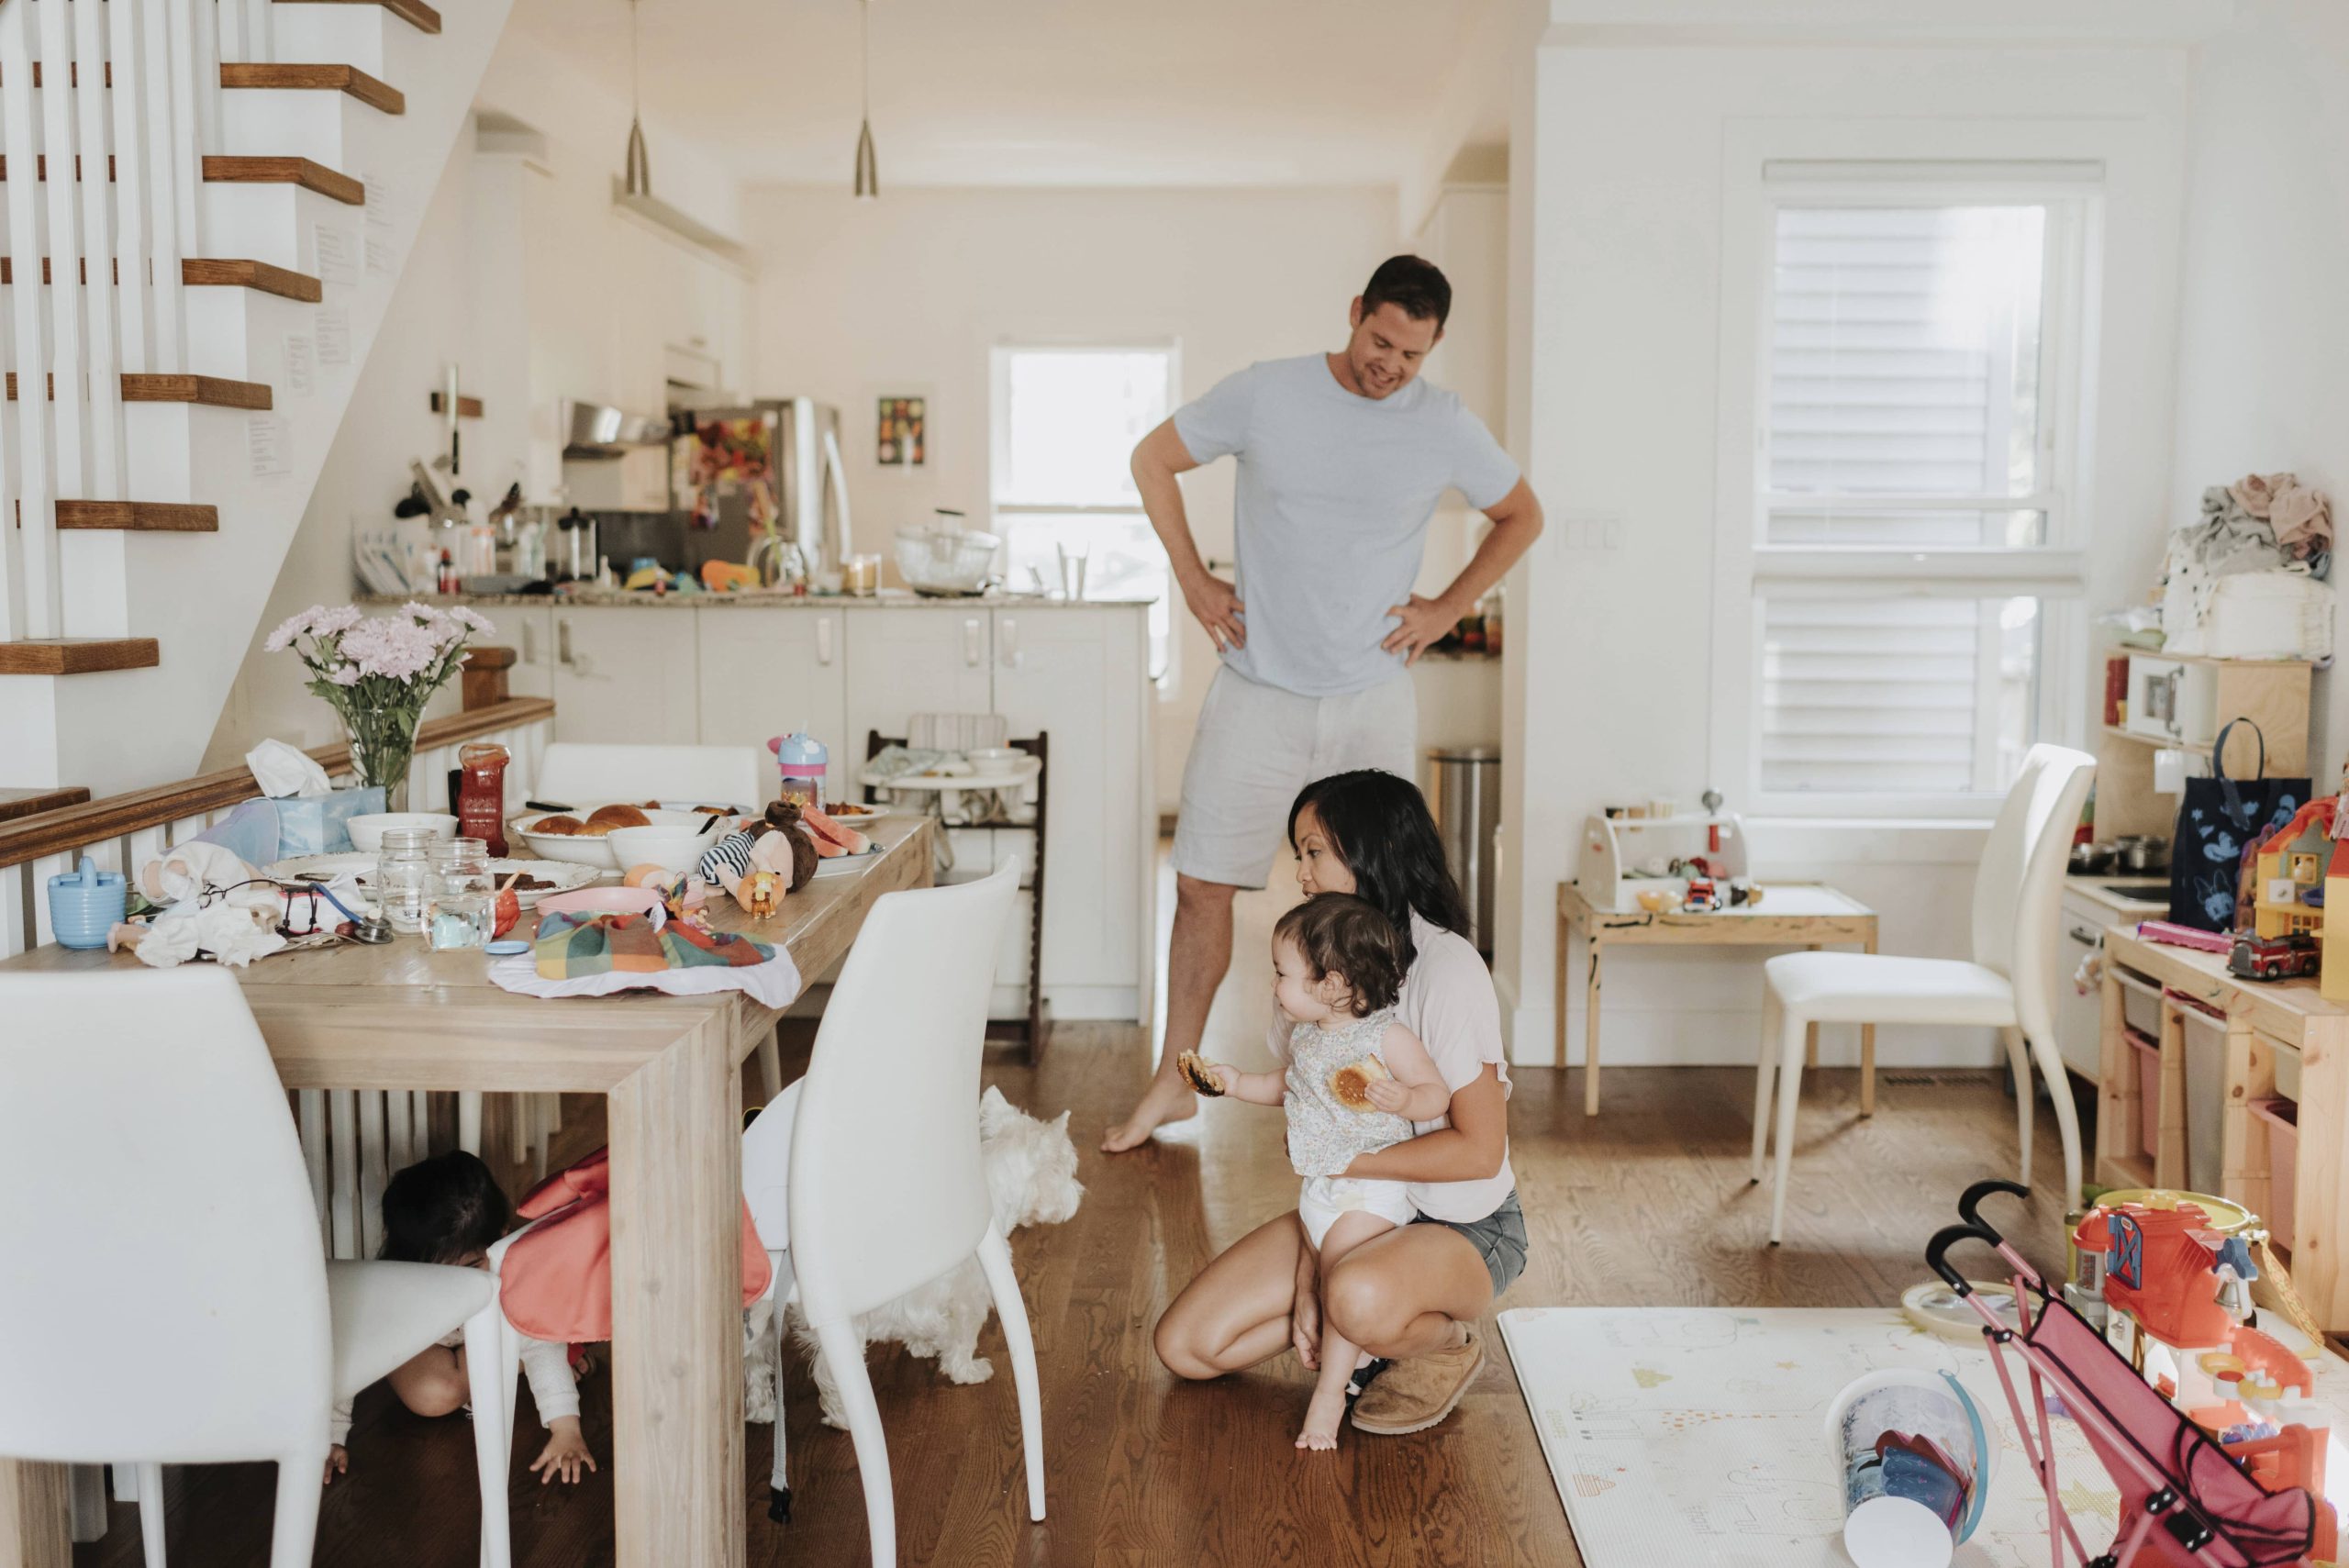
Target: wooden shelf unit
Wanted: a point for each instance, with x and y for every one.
(2275, 693)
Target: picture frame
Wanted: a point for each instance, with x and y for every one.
(901, 431)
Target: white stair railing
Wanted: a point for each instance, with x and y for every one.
(107, 108)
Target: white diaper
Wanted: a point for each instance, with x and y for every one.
(1323, 1198)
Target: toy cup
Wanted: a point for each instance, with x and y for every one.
(85, 905)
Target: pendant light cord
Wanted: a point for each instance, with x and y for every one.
(865, 57)
(635, 65)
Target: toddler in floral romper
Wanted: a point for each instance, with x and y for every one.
(1355, 1083)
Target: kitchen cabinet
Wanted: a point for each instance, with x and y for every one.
(909, 660)
(2079, 1021)
(1071, 674)
(625, 675)
(767, 672)
(530, 634)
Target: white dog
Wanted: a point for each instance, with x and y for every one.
(1031, 1178)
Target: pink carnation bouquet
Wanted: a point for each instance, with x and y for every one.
(377, 674)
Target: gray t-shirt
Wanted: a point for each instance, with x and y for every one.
(1331, 508)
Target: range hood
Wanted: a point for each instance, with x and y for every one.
(599, 430)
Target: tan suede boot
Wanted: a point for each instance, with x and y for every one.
(1414, 1395)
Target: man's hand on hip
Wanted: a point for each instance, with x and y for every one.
(1425, 622)
(1218, 607)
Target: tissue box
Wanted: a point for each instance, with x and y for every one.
(315, 826)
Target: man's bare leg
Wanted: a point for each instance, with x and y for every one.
(1200, 952)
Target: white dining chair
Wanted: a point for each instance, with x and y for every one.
(162, 1295)
(885, 1189)
(2008, 984)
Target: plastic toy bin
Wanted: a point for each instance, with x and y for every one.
(2204, 1036)
(2149, 1090)
(2283, 1119)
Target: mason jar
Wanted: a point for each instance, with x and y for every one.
(403, 867)
(459, 896)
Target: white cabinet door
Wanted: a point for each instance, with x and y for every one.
(1077, 676)
(625, 675)
(767, 672)
(2079, 1021)
(531, 633)
(904, 661)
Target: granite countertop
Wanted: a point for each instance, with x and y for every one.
(757, 599)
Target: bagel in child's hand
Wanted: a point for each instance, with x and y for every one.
(1192, 1068)
(1351, 1083)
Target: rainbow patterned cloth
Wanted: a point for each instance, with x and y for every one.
(572, 945)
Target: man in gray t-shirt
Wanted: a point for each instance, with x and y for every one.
(1338, 462)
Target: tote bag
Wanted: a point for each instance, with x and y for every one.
(2218, 819)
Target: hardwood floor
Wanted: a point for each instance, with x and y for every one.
(1649, 1204)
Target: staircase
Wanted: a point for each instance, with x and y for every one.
(205, 205)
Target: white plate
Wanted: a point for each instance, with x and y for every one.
(848, 865)
(566, 875)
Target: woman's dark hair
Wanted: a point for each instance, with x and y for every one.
(441, 1209)
(1380, 826)
(1337, 933)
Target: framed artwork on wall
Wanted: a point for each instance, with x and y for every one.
(901, 435)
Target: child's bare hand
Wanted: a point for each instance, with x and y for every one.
(337, 1463)
(1386, 1093)
(566, 1451)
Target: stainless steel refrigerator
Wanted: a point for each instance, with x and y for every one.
(746, 468)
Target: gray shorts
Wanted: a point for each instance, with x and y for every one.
(1256, 746)
(1499, 1238)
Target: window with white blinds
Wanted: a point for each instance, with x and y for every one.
(1914, 403)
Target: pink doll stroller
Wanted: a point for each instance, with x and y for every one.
(2185, 1501)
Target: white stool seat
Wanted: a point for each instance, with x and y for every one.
(385, 1313)
(1882, 988)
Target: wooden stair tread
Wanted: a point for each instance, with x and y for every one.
(301, 172)
(78, 655)
(416, 12)
(197, 271)
(329, 78)
(212, 391)
(140, 516)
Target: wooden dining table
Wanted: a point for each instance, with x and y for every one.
(670, 1070)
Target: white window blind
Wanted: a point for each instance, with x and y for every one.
(1908, 431)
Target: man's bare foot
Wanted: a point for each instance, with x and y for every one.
(1163, 1102)
(1321, 1419)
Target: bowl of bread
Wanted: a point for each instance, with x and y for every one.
(582, 835)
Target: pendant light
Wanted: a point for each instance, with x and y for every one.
(868, 173)
(639, 168)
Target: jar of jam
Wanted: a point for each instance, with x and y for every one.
(481, 794)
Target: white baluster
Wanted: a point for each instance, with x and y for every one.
(229, 25)
(97, 200)
(187, 171)
(34, 602)
(126, 24)
(259, 44)
(169, 218)
(68, 371)
(205, 79)
(12, 900)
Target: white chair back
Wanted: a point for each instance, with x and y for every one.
(162, 1293)
(766, 1168)
(885, 1187)
(574, 772)
(2018, 887)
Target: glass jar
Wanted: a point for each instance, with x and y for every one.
(403, 867)
(458, 899)
(481, 794)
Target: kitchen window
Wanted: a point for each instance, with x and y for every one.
(1065, 419)
(1903, 558)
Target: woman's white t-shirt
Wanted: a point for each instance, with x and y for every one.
(1449, 1002)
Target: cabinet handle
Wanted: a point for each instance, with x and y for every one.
(823, 640)
(2085, 937)
(1009, 630)
(971, 641)
(563, 642)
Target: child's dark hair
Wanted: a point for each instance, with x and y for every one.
(1337, 933)
(442, 1209)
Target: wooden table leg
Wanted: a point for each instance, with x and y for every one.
(1867, 1049)
(35, 1507)
(1811, 1034)
(1565, 930)
(1590, 1033)
(677, 1305)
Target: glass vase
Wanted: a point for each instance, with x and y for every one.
(383, 744)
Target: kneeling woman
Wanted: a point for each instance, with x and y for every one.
(1411, 1296)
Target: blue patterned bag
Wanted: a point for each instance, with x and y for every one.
(2218, 819)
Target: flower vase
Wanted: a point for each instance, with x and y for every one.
(383, 744)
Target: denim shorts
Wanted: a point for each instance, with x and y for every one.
(1499, 1238)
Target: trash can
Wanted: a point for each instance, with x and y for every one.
(1464, 794)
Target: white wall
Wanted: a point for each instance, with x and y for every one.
(1620, 155)
(908, 294)
(524, 277)
(2264, 324)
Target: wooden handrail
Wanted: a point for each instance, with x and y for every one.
(116, 814)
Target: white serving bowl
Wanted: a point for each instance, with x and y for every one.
(591, 849)
(674, 847)
(367, 831)
(996, 759)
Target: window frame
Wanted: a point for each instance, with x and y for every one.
(1000, 355)
(1772, 168)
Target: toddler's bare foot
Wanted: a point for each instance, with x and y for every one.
(1321, 1419)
